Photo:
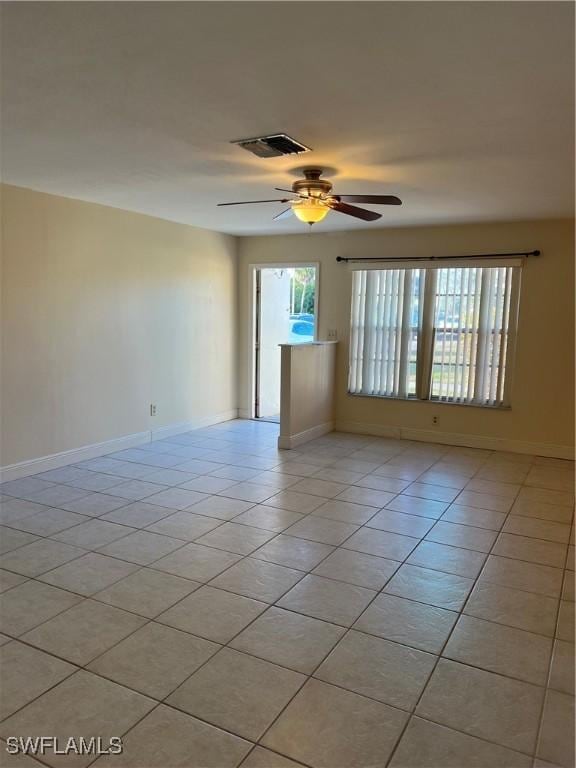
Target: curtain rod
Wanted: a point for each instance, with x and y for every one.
(441, 258)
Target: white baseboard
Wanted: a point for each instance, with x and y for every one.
(161, 433)
(360, 428)
(73, 456)
(244, 413)
(456, 438)
(292, 441)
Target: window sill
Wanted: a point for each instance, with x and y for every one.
(433, 401)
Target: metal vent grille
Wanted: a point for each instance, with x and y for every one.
(272, 146)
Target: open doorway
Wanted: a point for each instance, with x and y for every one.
(286, 308)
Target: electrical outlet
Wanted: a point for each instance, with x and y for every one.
(153, 409)
(434, 419)
(332, 334)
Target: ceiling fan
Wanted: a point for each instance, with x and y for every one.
(314, 199)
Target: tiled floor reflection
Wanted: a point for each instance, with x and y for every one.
(360, 602)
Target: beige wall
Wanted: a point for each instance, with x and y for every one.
(307, 392)
(542, 398)
(103, 313)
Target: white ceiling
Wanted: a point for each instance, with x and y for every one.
(463, 109)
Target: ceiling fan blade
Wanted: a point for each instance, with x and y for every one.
(374, 199)
(251, 202)
(284, 215)
(352, 210)
(299, 194)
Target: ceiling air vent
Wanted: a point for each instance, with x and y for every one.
(272, 146)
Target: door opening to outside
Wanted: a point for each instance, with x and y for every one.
(285, 313)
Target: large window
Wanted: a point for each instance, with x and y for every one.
(444, 334)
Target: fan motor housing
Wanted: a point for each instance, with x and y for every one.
(312, 184)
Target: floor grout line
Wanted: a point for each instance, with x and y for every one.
(441, 458)
(549, 670)
(439, 657)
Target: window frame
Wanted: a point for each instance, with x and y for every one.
(427, 331)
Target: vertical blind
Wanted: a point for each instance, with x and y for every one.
(384, 329)
(438, 333)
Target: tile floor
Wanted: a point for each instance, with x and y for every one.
(361, 602)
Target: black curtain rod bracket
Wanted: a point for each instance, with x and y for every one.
(439, 258)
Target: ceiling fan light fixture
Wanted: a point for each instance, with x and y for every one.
(314, 199)
(310, 211)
